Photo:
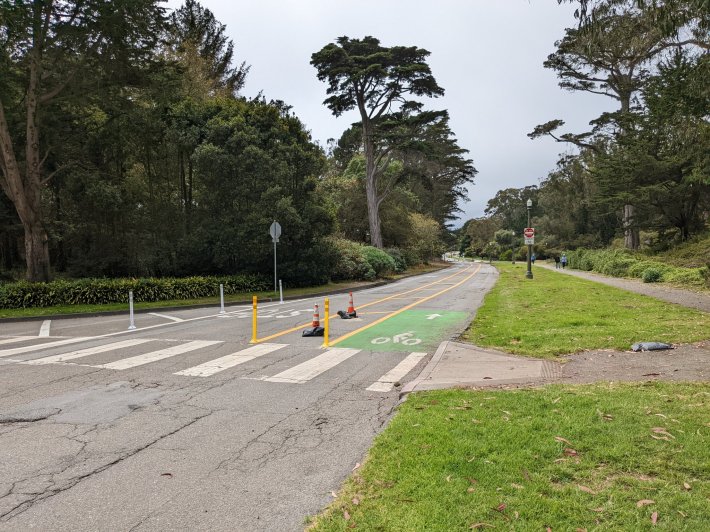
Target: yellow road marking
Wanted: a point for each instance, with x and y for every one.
(394, 296)
(411, 305)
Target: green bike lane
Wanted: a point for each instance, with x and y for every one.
(411, 330)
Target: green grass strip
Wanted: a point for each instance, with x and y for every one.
(593, 457)
(554, 314)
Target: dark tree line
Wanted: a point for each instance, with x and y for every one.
(127, 150)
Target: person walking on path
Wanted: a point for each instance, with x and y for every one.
(532, 258)
(563, 260)
(557, 262)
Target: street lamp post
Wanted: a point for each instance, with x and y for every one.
(528, 274)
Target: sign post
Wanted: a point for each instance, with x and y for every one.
(275, 232)
(529, 234)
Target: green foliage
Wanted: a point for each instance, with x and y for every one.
(351, 263)
(651, 275)
(625, 263)
(400, 263)
(380, 260)
(100, 291)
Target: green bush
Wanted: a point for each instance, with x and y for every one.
(350, 261)
(99, 291)
(506, 255)
(651, 275)
(400, 263)
(687, 276)
(380, 260)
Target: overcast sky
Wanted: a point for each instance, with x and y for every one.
(486, 54)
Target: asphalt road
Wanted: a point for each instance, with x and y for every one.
(183, 424)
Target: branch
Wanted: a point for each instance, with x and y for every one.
(50, 176)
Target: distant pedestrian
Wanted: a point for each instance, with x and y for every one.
(563, 260)
(557, 262)
(532, 258)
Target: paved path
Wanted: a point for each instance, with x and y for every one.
(679, 296)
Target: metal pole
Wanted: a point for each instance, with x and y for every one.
(253, 320)
(274, 266)
(528, 274)
(131, 325)
(325, 322)
(221, 299)
(281, 291)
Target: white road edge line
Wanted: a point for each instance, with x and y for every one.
(173, 318)
(16, 339)
(229, 361)
(386, 382)
(312, 368)
(44, 329)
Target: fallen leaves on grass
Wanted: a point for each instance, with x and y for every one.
(664, 434)
(346, 515)
(562, 440)
(644, 502)
(585, 489)
(357, 466)
(476, 526)
(570, 452)
(356, 501)
(654, 518)
(687, 486)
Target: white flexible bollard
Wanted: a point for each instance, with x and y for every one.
(132, 324)
(221, 300)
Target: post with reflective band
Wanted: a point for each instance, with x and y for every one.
(253, 320)
(325, 324)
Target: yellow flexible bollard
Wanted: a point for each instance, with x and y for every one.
(325, 324)
(253, 320)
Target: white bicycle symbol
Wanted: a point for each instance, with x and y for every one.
(403, 338)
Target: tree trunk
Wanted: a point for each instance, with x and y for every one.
(36, 252)
(373, 204)
(631, 234)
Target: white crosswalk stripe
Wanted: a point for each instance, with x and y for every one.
(229, 361)
(298, 374)
(154, 356)
(86, 352)
(39, 347)
(314, 367)
(386, 382)
(16, 339)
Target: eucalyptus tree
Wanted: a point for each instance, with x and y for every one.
(381, 83)
(52, 51)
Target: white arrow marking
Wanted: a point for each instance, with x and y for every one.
(433, 316)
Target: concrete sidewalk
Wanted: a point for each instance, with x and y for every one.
(457, 364)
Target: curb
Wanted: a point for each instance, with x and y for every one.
(411, 385)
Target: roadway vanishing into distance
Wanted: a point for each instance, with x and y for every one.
(184, 424)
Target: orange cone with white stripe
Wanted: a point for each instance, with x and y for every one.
(351, 307)
(316, 317)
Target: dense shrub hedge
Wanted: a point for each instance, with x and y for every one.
(625, 263)
(359, 262)
(98, 291)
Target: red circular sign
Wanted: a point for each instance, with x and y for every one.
(529, 232)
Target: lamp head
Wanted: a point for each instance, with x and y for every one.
(529, 203)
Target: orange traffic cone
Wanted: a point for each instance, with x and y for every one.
(316, 329)
(351, 307)
(316, 317)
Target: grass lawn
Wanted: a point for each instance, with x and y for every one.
(593, 457)
(555, 314)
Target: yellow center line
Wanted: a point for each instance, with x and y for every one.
(411, 305)
(394, 296)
